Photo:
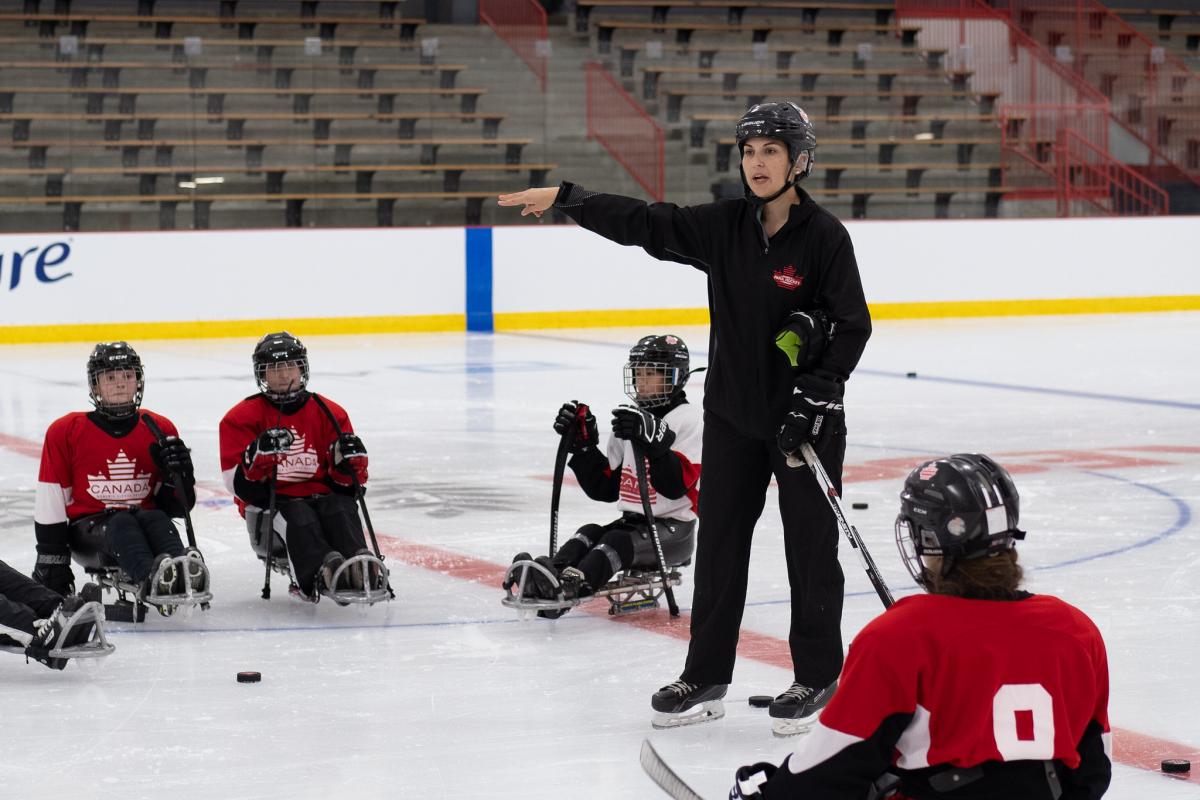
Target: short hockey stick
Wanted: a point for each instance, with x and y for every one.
(663, 775)
(359, 491)
(270, 533)
(639, 458)
(560, 468)
(178, 478)
(835, 503)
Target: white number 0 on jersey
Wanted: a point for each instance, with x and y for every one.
(1023, 722)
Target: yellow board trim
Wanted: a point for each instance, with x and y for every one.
(613, 318)
(223, 329)
(1023, 308)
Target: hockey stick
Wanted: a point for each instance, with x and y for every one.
(270, 534)
(178, 478)
(560, 467)
(835, 503)
(663, 775)
(359, 490)
(639, 457)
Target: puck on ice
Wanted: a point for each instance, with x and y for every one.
(760, 700)
(249, 677)
(1176, 765)
(859, 506)
(912, 374)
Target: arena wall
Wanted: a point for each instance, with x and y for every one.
(92, 286)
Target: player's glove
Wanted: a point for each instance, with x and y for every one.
(804, 337)
(748, 780)
(640, 426)
(172, 456)
(816, 413)
(265, 452)
(53, 570)
(577, 417)
(349, 458)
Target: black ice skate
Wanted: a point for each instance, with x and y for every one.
(795, 711)
(532, 585)
(683, 703)
(74, 630)
(360, 580)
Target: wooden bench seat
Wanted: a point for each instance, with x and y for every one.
(910, 98)
(735, 9)
(235, 121)
(164, 24)
(808, 76)
(197, 72)
(164, 149)
(760, 30)
(783, 54)
(964, 145)
(215, 97)
(274, 174)
(858, 122)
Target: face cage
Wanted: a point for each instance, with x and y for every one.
(672, 379)
(911, 554)
(260, 375)
(116, 410)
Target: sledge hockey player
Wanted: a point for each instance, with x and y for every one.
(668, 428)
(765, 255)
(107, 492)
(46, 626)
(974, 691)
(296, 451)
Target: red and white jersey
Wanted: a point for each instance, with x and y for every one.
(86, 470)
(686, 421)
(973, 681)
(304, 471)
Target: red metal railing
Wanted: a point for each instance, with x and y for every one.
(1091, 179)
(522, 24)
(1152, 93)
(628, 133)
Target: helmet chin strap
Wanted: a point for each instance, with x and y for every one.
(757, 201)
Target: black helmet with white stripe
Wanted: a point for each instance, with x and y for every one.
(960, 507)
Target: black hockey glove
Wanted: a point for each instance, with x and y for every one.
(577, 417)
(804, 337)
(54, 572)
(640, 426)
(349, 457)
(748, 780)
(265, 452)
(816, 413)
(172, 456)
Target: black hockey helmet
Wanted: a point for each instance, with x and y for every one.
(112, 357)
(959, 507)
(663, 354)
(786, 122)
(278, 349)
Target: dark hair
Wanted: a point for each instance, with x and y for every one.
(996, 577)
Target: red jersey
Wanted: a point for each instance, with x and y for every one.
(941, 682)
(86, 469)
(305, 469)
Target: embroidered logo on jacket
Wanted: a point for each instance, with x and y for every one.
(300, 463)
(786, 278)
(123, 486)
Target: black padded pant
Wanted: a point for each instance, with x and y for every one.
(601, 551)
(737, 471)
(22, 600)
(134, 537)
(314, 527)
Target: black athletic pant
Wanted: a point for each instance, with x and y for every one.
(601, 551)
(314, 527)
(134, 537)
(22, 600)
(737, 471)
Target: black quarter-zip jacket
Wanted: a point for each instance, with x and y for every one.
(753, 284)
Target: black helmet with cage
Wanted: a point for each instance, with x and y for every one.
(657, 370)
(786, 122)
(109, 357)
(960, 507)
(278, 350)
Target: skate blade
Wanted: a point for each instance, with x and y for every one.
(88, 619)
(368, 595)
(783, 728)
(707, 711)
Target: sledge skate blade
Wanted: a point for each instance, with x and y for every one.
(367, 596)
(188, 566)
(708, 711)
(783, 728)
(95, 646)
(517, 577)
(636, 591)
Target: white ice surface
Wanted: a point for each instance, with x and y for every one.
(444, 694)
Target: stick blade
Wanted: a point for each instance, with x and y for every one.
(663, 775)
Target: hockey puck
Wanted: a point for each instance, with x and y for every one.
(859, 506)
(912, 375)
(249, 677)
(760, 700)
(1175, 765)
